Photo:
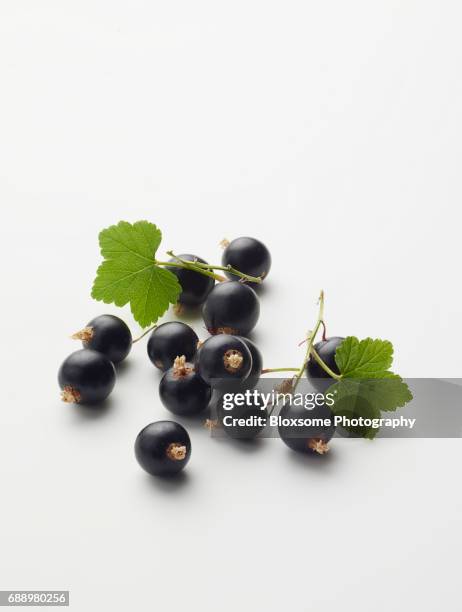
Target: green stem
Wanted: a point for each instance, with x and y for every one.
(324, 365)
(310, 350)
(310, 341)
(190, 266)
(144, 334)
(204, 266)
(270, 370)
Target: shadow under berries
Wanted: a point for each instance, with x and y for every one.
(124, 367)
(92, 412)
(319, 463)
(177, 483)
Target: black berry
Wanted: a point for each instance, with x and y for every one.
(171, 340)
(107, 334)
(224, 360)
(231, 308)
(310, 438)
(86, 377)
(247, 255)
(257, 364)
(326, 350)
(182, 391)
(163, 448)
(195, 286)
(247, 421)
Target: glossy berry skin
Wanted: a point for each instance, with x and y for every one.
(257, 364)
(326, 350)
(252, 430)
(231, 308)
(224, 361)
(183, 392)
(195, 286)
(86, 377)
(163, 448)
(171, 340)
(306, 439)
(247, 255)
(110, 336)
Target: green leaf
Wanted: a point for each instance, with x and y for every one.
(129, 273)
(385, 394)
(364, 359)
(388, 394)
(368, 398)
(350, 403)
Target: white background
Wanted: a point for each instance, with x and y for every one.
(330, 130)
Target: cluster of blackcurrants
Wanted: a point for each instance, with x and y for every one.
(226, 361)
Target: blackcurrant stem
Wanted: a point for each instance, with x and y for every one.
(144, 334)
(243, 277)
(310, 350)
(324, 331)
(310, 341)
(197, 266)
(190, 266)
(324, 365)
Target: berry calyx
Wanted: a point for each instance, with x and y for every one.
(85, 334)
(176, 452)
(182, 390)
(170, 340)
(69, 395)
(108, 335)
(231, 307)
(210, 424)
(233, 360)
(86, 377)
(223, 359)
(163, 448)
(180, 367)
(318, 446)
(248, 255)
(306, 438)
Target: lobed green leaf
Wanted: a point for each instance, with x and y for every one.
(364, 358)
(129, 274)
(367, 386)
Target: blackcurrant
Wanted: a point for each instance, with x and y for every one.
(307, 438)
(254, 418)
(247, 255)
(242, 422)
(86, 377)
(195, 286)
(107, 334)
(326, 351)
(231, 308)
(171, 340)
(257, 364)
(182, 391)
(223, 361)
(163, 448)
